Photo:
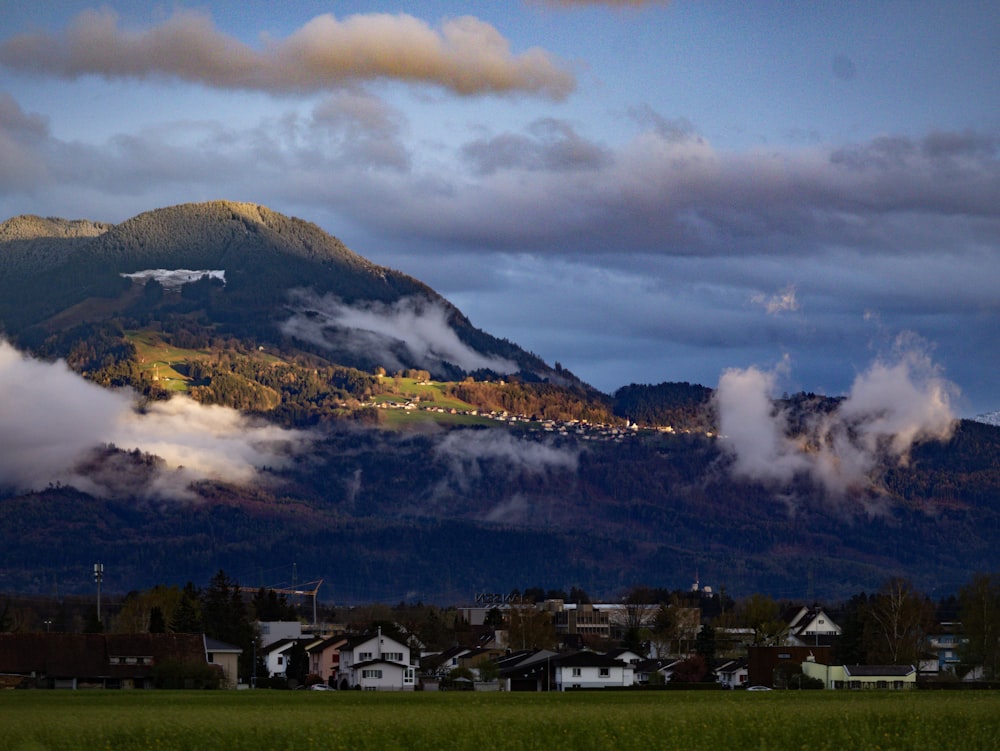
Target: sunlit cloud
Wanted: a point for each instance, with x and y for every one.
(464, 55)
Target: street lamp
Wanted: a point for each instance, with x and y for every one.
(48, 624)
(99, 577)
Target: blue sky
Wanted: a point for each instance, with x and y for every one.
(642, 191)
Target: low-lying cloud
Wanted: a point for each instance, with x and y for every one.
(465, 55)
(412, 326)
(891, 406)
(54, 425)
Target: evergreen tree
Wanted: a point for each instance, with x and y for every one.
(157, 623)
(187, 616)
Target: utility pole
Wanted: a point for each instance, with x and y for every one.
(99, 577)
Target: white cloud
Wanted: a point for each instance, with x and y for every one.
(891, 406)
(378, 330)
(53, 422)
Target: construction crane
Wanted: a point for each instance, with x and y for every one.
(298, 591)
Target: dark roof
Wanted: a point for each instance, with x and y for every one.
(214, 645)
(369, 663)
(588, 659)
(94, 655)
(875, 670)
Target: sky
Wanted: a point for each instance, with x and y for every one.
(640, 191)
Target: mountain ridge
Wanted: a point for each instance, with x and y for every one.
(369, 476)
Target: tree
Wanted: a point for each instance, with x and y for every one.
(980, 611)
(187, 616)
(691, 669)
(530, 628)
(898, 621)
(298, 662)
(157, 622)
(761, 613)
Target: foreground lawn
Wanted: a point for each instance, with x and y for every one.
(608, 721)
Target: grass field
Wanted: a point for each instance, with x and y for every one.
(300, 720)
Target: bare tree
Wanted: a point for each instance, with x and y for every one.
(898, 620)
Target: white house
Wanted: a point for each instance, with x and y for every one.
(809, 627)
(376, 663)
(591, 670)
(276, 655)
(733, 673)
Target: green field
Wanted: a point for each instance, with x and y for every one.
(298, 720)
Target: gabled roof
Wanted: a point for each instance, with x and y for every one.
(325, 644)
(214, 645)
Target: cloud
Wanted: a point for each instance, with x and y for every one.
(414, 328)
(780, 302)
(54, 425)
(465, 55)
(894, 404)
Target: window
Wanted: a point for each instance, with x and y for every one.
(281, 660)
(604, 672)
(393, 656)
(371, 673)
(576, 672)
(362, 656)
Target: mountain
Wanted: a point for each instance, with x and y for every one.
(284, 278)
(384, 444)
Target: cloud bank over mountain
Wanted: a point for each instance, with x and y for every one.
(377, 330)
(53, 424)
(897, 402)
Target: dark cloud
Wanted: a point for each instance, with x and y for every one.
(465, 55)
(662, 255)
(550, 146)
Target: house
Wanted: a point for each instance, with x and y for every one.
(944, 642)
(762, 661)
(527, 670)
(227, 657)
(733, 673)
(809, 627)
(122, 661)
(276, 655)
(591, 670)
(324, 658)
(655, 670)
(376, 663)
(439, 664)
(896, 677)
(625, 655)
